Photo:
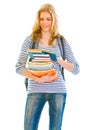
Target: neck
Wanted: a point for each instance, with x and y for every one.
(46, 35)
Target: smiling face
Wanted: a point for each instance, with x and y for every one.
(45, 21)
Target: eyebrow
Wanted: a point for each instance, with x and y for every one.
(46, 17)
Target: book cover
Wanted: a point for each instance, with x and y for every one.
(33, 52)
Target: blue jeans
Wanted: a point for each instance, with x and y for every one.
(34, 106)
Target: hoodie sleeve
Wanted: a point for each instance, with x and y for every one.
(21, 62)
(69, 56)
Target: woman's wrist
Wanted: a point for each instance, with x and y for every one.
(59, 59)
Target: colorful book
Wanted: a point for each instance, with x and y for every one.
(41, 53)
(39, 65)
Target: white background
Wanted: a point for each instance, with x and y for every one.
(16, 20)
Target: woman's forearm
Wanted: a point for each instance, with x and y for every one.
(28, 74)
(42, 79)
(67, 65)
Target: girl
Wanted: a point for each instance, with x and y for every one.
(45, 89)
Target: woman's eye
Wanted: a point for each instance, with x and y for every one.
(41, 19)
(48, 19)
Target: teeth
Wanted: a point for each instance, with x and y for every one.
(45, 26)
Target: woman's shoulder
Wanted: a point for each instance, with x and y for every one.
(29, 38)
(27, 43)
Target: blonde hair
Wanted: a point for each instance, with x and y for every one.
(36, 30)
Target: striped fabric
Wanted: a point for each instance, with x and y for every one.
(53, 87)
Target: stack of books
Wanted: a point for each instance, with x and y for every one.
(40, 62)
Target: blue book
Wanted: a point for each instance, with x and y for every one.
(51, 54)
(32, 52)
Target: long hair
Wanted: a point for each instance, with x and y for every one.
(36, 30)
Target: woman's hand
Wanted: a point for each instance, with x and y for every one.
(65, 64)
(48, 78)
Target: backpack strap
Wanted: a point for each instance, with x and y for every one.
(62, 50)
(34, 45)
(26, 79)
